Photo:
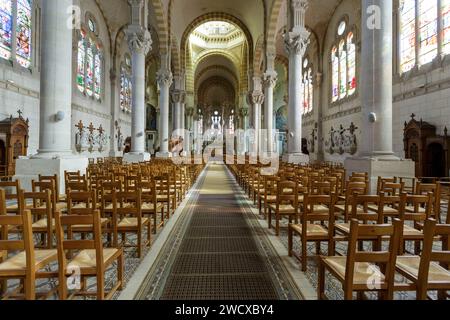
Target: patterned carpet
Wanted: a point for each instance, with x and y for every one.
(217, 251)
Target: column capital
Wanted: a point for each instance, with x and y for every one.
(190, 111)
(139, 39)
(178, 96)
(164, 77)
(297, 42)
(270, 79)
(244, 112)
(256, 97)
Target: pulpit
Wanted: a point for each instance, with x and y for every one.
(429, 151)
(13, 143)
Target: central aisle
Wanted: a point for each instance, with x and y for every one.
(218, 257)
(217, 250)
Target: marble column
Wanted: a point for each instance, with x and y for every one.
(139, 42)
(178, 99)
(165, 79)
(297, 41)
(270, 80)
(376, 155)
(56, 80)
(55, 153)
(256, 99)
(376, 81)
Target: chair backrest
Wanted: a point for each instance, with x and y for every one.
(435, 189)
(429, 251)
(40, 204)
(41, 186)
(385, 260)
(382, 180)
(25, 243)
(128, 204)
(77, 185)
(287, 193)
(43, 178)
(65, 243)
(416, 202)
(392, 188)
(78, 201)
(363, 202)
(13, 186)
(148, 190)
(311, 202)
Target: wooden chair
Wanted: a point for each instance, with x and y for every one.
(11, 189)
(150, 204)
(286, 204)
(435, 189)
(92, 260)
(40, 206)
(270, 192)
(344, 205)
(362, 271)
(41, 186)
(312, 227)
(127, 218)
(414, 220)
(430, 271)
(20, 260)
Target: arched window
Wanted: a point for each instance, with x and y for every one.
(125, 85)
(90, 62)
(15, 31)
(343, 64)
(308, 88)
(424, 32)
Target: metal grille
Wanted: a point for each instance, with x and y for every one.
(219, 264)
(229, 287)
(218, 257)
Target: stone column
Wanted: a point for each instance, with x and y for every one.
(56, 80)
(164, 78)
(256, 99)
(297, 41)
(139, 41)
(270, 80)
(55, 106)
(376, 154)
(178, 99)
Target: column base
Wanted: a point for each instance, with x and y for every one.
(29, 168)
(136, 157)
(296, 158)
(383, 166)
(163, 155)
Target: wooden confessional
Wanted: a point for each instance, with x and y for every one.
(428, 150)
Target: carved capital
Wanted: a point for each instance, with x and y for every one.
(244, 112)
(270, 79)
(256, 97)
(178, 96)
(297, 43)
(139, 40)
(190, 112)
(164, 78)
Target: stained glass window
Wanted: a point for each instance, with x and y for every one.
(5, 28)
(335, 74)
(90, 62)
(23, 33)
(445, 11)
(408, 34)
(90, 70)
(307, 87)
(97, 74)
(351, 49)
(342, 70)
(343, 64)
(126, 86)
(81, 73)
(423, 15)
(428, 15)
